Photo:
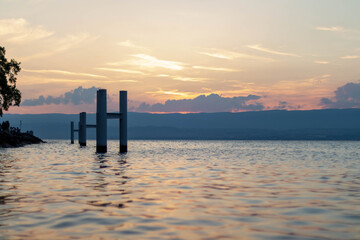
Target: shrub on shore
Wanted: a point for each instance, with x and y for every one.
(13, 137)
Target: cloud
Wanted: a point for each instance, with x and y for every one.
(331, 29)
(321, 62)
(147, 62)
(183, 79)
(169, 92)
(223, 54)
(126, 80)
(309, 82)
(64, 73)
(347, 33)
(71, 40)
(216, 69)
(61, 45)
(152, 62)
(77, 96)
(189, 79)
(18, 30)
(285, 105)
(121, 70)
(129, 44)
(282, 105)
(231, 55)
(262, 49)
(347, 96)
(202, 103)
(350, 57)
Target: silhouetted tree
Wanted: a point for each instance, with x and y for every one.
(9, 94)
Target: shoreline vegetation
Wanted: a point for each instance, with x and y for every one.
(11, 137)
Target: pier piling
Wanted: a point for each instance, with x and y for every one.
(123, 121)
(78, 132)
(101, 122)
(72, 132)
(82, 129)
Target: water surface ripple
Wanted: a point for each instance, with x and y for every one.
(182, 190)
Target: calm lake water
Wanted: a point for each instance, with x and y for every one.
(182, 190)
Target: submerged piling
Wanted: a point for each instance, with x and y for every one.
(123, 121)
(79, 132)
(72, 132)
(82, 129)
(101, 122)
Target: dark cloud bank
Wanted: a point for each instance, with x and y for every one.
(77, 96)
(347, 96)
(283, 105)
(202, 103)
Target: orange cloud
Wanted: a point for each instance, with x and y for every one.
(18, 30)
(231, 55)
(262, 49)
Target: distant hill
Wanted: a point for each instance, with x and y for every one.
(328, 124)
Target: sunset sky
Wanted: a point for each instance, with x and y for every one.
(284, 54)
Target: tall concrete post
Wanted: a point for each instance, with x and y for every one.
(72, 132)
(82, 129)
(101, 122)
(79, 132)
(123, 121)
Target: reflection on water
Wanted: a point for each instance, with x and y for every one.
(182, 190)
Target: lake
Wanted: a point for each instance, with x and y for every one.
(182, 190)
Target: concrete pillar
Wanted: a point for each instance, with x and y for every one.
(123, 121)
(72, 132)
(101, 122)
(82, 129)
(79, 132)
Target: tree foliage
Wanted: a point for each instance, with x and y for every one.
(9, 94)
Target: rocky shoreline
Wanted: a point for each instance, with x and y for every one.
(10, 140)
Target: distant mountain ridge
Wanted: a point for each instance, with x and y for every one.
(327, 124)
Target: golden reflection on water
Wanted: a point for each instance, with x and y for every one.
(181, 190)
